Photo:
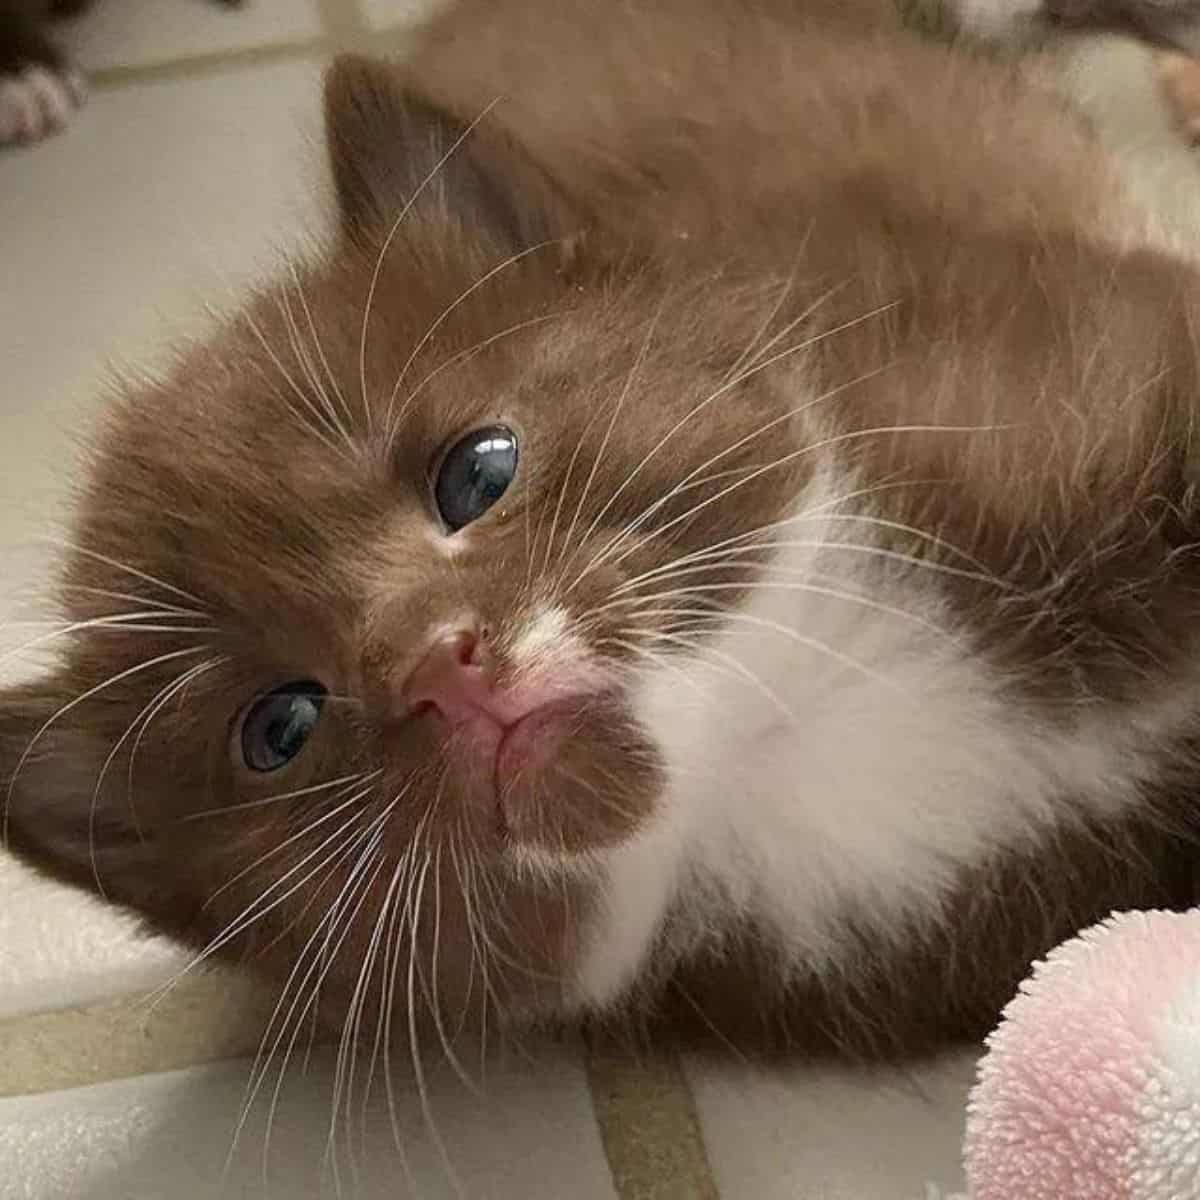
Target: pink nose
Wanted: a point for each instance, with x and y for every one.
(456, 677)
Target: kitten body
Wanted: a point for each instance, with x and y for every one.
(830, 652)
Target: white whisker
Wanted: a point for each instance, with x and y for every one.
(784, 460)
(632, 374)
(117, 565)
(391, 237)
(316, 342)
(446, 313)
(711, 398)
(68, 707)
(143, 718)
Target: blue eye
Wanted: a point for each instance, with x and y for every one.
(278, 725)
(475, 474)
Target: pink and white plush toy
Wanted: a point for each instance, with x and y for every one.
(1090, 1089)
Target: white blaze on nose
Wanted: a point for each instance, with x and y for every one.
(547, 637)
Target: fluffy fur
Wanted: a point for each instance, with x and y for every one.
(855, 527)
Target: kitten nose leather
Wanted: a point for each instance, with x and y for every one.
(456, 677)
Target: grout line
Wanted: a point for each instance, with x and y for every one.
(214, 63)
(649, 1125)
(210, 1018)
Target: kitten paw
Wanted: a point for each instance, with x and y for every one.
(37, 102)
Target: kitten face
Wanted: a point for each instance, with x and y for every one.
(351, 656)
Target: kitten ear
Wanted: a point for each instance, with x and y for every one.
(52, 815)
(390, 148)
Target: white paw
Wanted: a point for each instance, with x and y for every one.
(37, 103)
(996, 18)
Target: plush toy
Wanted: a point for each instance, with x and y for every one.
(1090, 1088)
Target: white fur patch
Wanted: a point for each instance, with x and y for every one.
(832, 756)
(543, 635)
(37, 103)
(995, 18)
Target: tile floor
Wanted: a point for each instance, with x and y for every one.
(197, 156)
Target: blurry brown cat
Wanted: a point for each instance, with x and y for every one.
(703, 533)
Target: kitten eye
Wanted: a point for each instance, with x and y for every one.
(278, 724)
(475, 474)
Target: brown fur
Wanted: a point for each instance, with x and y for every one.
(690, 172)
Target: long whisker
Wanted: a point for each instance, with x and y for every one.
(632, 374)
(718, 551)
(68, 707)
(865, 548)
(347, 1048)
(793, 456)
(753, 619)
(281, 846)
(445, 315)
(352, 780)
(697, 477)
(143, 718)
(130, 597)
(248, 916)
(333, 416)
(414, 1042)
(316, 341)
(119, 622)
(318, 426)
(388, 999)
(394, 911)
(75, 548)
(813, 589)
(391, 237)
(435, 1006)
(568, 474)
(469, 352)
(712, 397)
(751, 351)
(354, 892)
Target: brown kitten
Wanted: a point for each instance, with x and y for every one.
(702, 529)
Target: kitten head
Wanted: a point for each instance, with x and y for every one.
(349, 641)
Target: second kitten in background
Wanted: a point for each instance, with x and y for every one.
(1169, 22)
(39, 87)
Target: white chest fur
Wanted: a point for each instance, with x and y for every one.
(839, 750)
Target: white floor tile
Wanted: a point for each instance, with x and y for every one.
(831, 1136)
(533, 1135)
(162, 197)
(137, 32)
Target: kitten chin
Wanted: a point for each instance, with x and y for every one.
(747, 560)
